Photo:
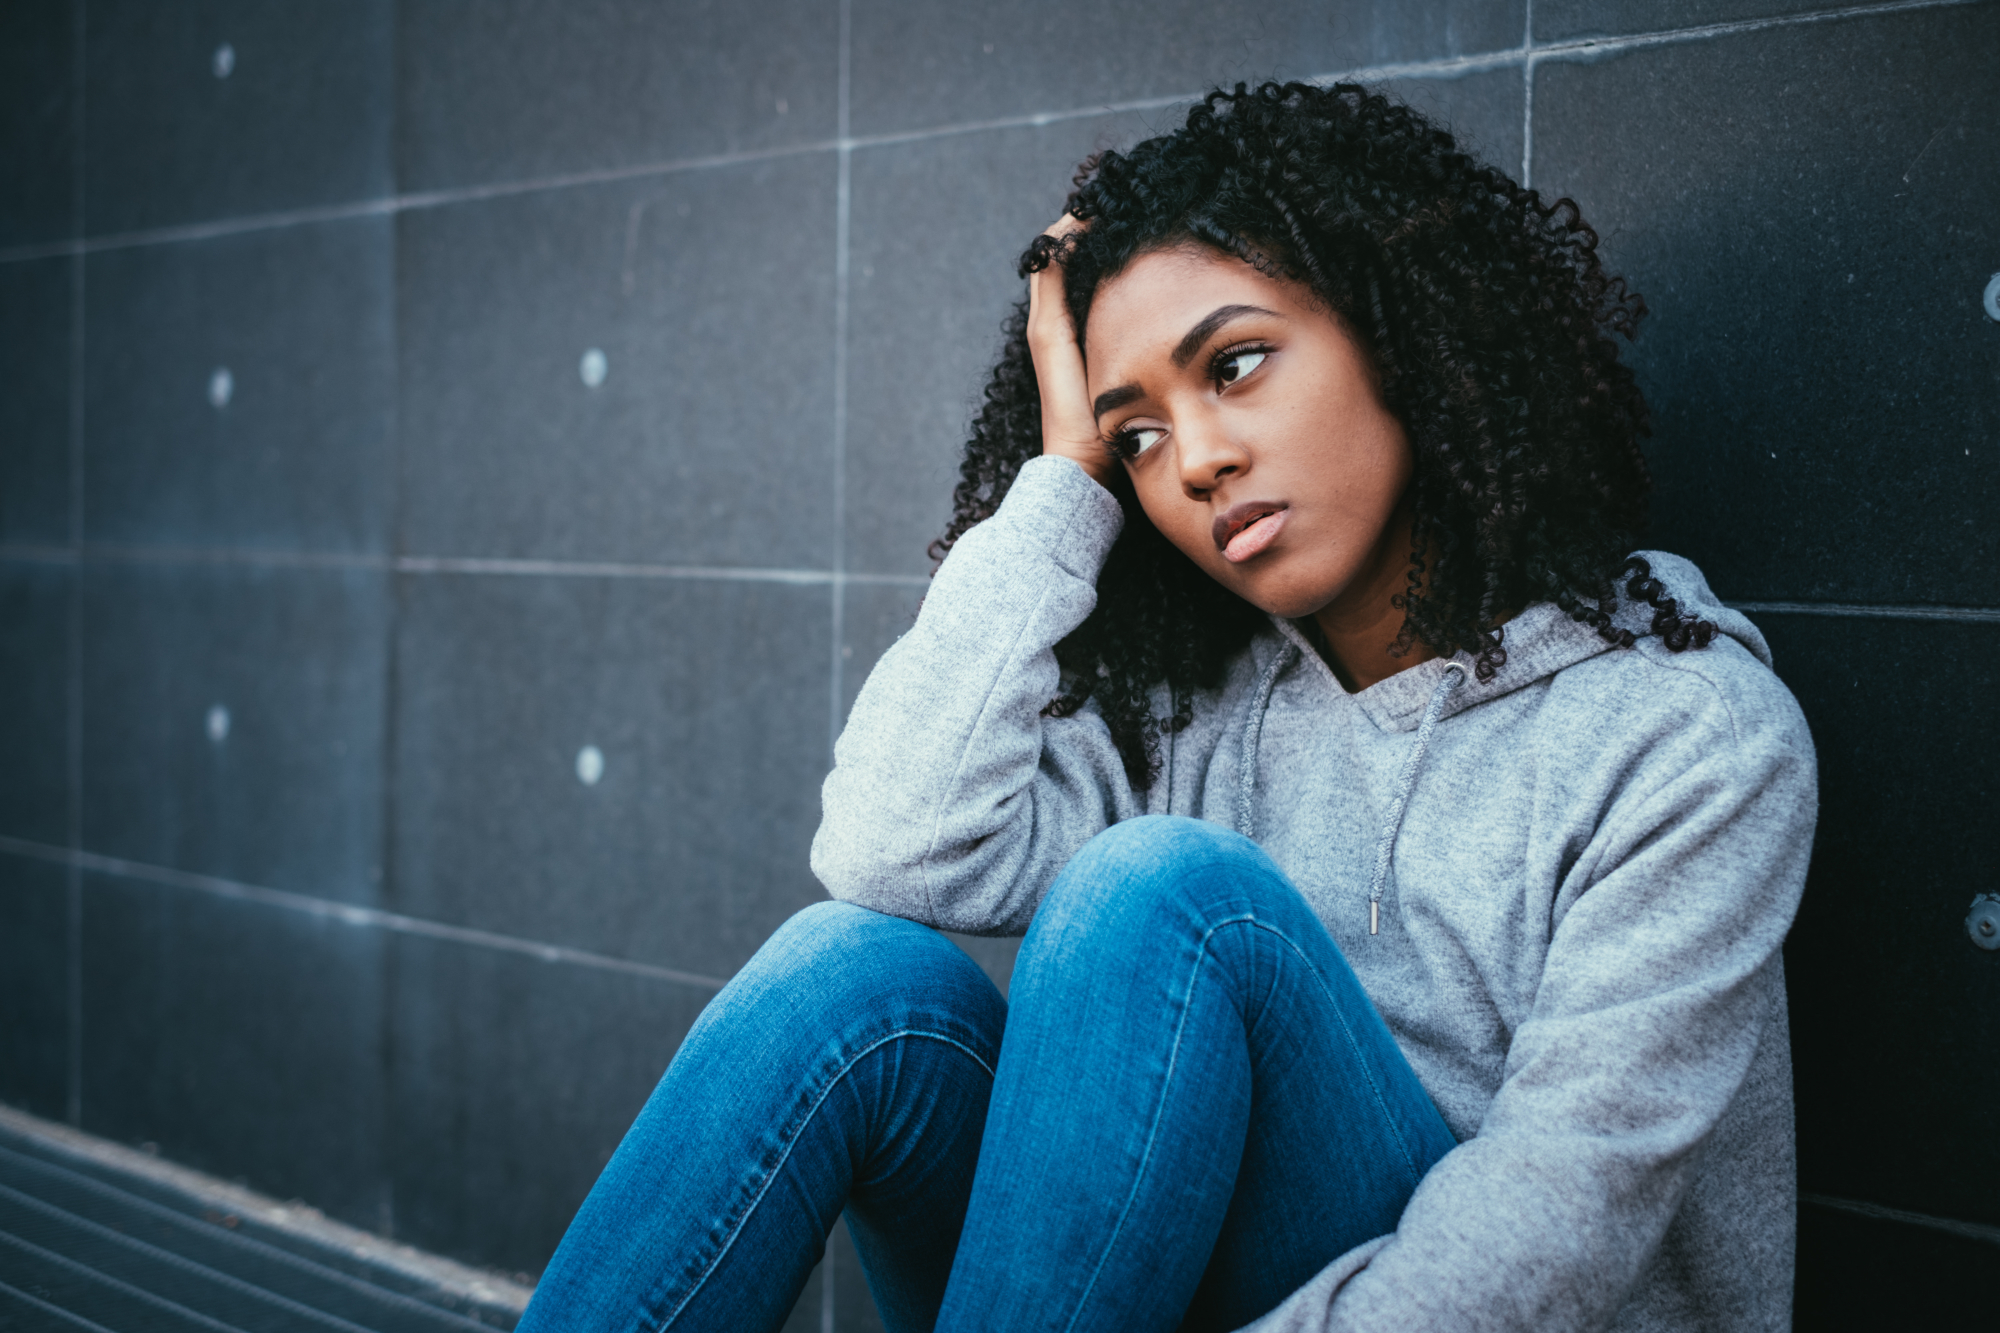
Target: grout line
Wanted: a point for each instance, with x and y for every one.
(390, 1129)
(843, 218)
(1701, 32)
(73, 702)
(1970, 1230)
(390, 205)
(1528, 97)
(1443, 67)
(837, 578)
(1967, 615)
(112, 553)
(834, 578)
(47, 555)
(428, 564)
(423, 564)
(208, 231)
(349, 914)
(611, 570)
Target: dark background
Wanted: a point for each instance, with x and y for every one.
(375, 944)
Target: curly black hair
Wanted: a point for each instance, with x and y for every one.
(1490, 321)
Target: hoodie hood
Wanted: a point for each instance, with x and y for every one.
(1540, 642)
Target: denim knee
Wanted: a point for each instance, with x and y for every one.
(1135, 870)
(841, 960)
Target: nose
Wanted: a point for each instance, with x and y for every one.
(1208, 453)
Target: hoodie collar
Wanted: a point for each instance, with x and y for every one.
(1540, 641)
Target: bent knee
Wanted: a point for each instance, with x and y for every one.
(1152, 839)
(1159, 863)
(836, 955)
(1163, 849)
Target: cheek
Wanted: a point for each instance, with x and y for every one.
(1180, 520)
(1362, 469)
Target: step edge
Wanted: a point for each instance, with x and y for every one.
(295, 1218)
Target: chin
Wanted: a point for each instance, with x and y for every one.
(1298, 609)
(1280, 597)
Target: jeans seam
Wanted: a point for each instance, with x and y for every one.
(1346, 1031)
(785, 1156)
(1173, 1063)
(1250, 918)
(1152, 1130)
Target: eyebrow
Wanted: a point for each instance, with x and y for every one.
(1192, 340)
(1113, 399)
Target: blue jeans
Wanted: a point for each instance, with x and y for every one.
(1189, 1109)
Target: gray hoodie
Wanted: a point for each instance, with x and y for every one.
(1587, 867)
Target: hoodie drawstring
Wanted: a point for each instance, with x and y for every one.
(1253, 734)
(1454, 676)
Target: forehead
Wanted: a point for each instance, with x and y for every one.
(1145, 309)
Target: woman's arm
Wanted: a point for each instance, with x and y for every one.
(952, 800)
(1660, 977)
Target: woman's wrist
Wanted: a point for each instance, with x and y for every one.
(1069, 428)
(1095, 460)
(1072, 519)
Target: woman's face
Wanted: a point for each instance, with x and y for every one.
(1252, 429)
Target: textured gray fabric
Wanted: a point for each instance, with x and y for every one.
(1601, 854)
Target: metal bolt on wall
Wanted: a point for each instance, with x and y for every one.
(1982, 923)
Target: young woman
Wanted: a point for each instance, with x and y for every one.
(1403, 862)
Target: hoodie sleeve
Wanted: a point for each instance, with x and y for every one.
(953, 801)
(1655, 993)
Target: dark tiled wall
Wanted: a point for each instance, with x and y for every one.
(411, 410)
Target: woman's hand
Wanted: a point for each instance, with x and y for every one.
(1068, 427)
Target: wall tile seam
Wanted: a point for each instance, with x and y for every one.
(348, 914)
(1882, 1213)
(843, 218)
(73, 629)
(476, 567)
(1441, 67)
(1965, 615)
(1610, 43)
(843, 232)
(500, 566)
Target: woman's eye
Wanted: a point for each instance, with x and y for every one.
(1238, 364)
(1139, 441)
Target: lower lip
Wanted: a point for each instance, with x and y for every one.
(1254, 538)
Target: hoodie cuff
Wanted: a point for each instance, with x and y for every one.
(1055, 507)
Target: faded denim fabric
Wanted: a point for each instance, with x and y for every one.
(1196, 1109)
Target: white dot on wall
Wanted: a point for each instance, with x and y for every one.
(589, 765)
(221, 387)
(225, 60)
(1992, 301)
(593, 367)
(782, 106)
(218, 724)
